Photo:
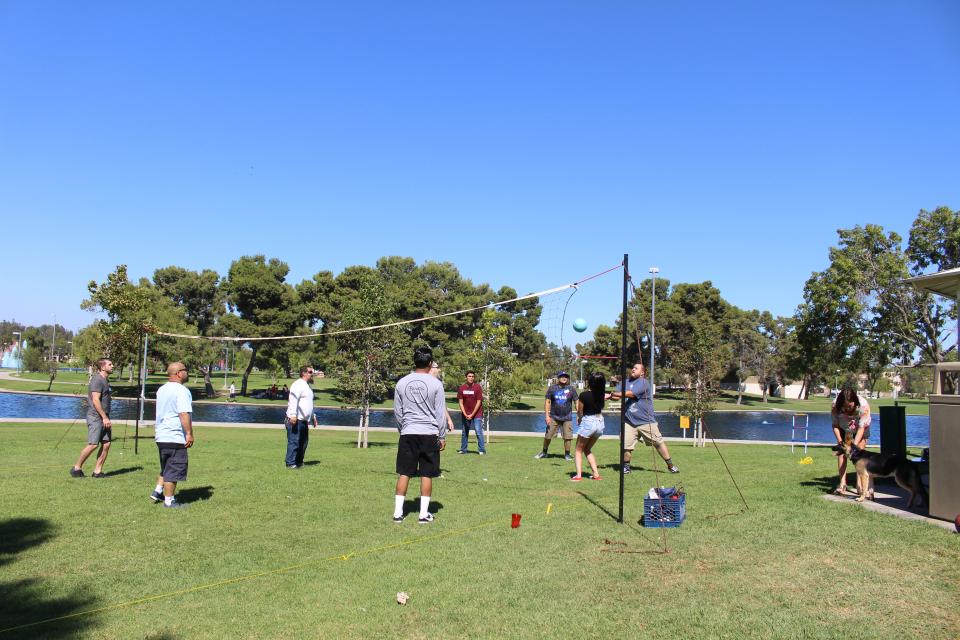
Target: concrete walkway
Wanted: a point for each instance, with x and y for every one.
(892, 500)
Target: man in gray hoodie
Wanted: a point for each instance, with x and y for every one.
(420, 410)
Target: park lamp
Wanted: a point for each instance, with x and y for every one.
(653, 318)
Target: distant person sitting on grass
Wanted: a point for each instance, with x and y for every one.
(590, 423)
(850, 417)
(99, 427)
(174, 434)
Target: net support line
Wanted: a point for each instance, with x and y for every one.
(372, 328)
(489, 305)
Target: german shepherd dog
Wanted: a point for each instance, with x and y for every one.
(870, 464)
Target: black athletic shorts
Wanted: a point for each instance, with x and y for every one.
(418, 455)
(173, 461)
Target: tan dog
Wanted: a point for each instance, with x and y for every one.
(870, 464)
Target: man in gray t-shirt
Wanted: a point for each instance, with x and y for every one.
(419, 407)
(99, 426)
(641, 420)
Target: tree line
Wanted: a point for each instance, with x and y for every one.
(254, 299)
(858, 317)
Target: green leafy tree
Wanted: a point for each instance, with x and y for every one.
(701, 361)
(198, 297)
(264, 303)
(368, 361)
(129, 314)
(492, 359)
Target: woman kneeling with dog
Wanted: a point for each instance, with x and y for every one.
(851, 420)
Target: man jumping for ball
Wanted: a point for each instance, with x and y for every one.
(641, 421)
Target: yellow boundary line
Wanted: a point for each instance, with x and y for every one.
(252, 576)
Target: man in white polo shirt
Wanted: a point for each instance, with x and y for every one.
(299, 415)
(174, 434)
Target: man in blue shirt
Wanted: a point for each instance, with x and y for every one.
(641, 421)
(558, 407)
(173, 433)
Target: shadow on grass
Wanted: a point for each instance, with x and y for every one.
(194, 494)
(615, 466)
(371, 445)
(27, 609)
(120, 472)
(612, 515)
(413, 507)
(828, 483)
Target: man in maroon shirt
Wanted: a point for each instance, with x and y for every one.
(470, 396)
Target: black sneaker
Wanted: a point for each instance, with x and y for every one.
(399, 518)
(76, 473)
(156, 496)
(101, 474)
(426, 519)
(626, 468)
(174, 505)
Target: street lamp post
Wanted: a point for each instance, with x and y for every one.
(653, 323)
(53, 347)
(19, 354)
(836, 382)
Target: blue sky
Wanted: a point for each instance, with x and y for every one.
(531, 144)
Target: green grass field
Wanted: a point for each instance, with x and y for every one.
(266, 552)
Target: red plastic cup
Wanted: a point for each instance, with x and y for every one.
(515, 521)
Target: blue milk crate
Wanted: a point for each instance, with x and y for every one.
(664, 512)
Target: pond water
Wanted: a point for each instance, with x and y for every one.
(733, 425)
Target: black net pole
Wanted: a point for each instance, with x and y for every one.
(623, 376)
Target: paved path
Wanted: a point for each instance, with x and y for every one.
(13, 377)
(892, 500)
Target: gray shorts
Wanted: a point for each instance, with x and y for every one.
(173, 461)
(96, 432)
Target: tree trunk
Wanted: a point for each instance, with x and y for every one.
(207, 383)
(246, 373)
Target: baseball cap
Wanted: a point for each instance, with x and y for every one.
(562, 374)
